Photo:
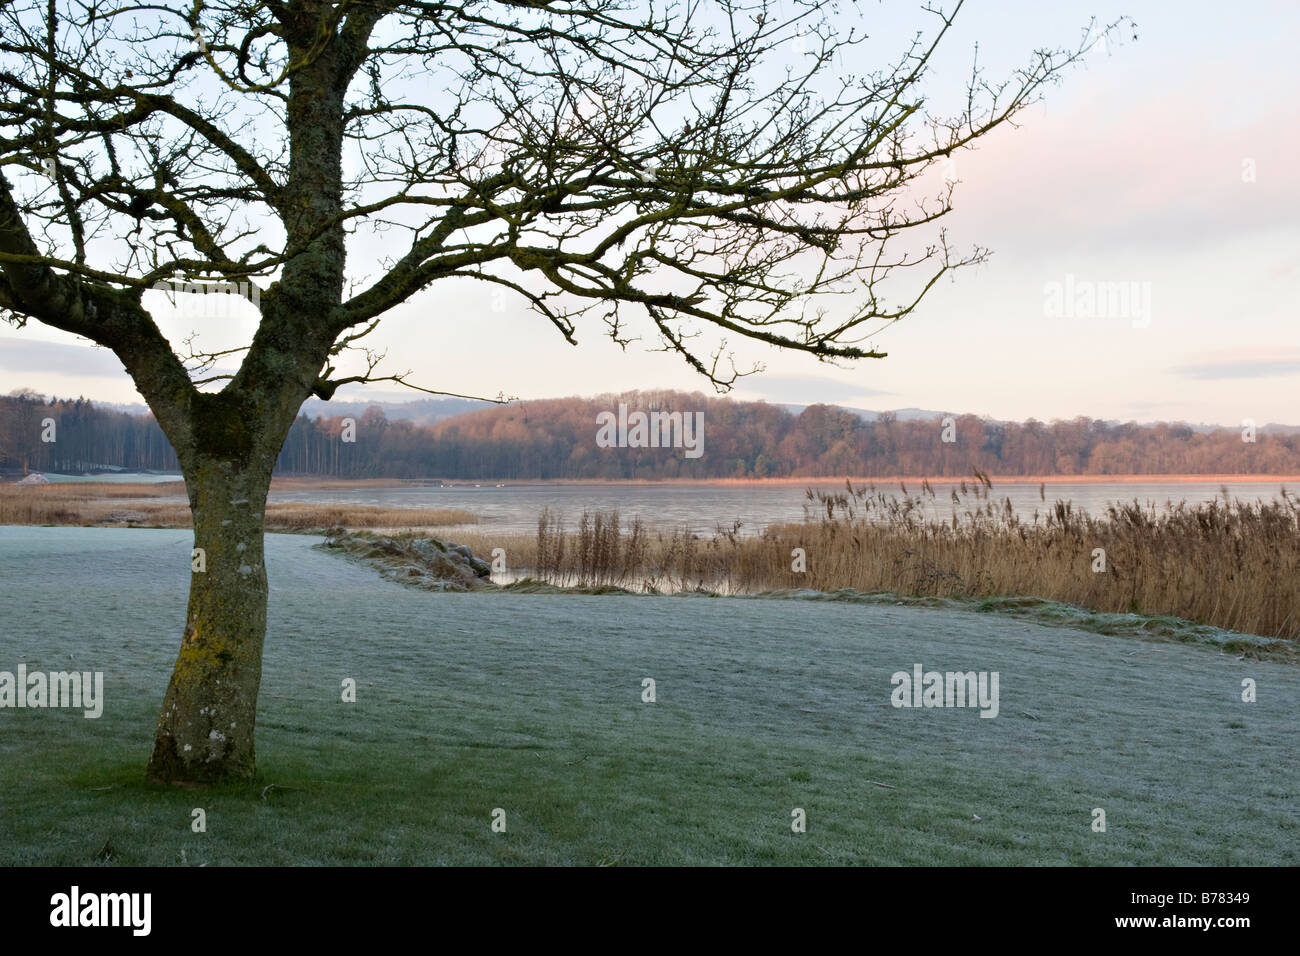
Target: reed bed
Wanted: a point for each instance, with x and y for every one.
(1227, 563)
(89, 504)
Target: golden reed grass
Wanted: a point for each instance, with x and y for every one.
(1227, 563)
(90, 504)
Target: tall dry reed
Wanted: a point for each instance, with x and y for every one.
(1229, 563)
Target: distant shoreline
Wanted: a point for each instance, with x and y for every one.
(324, 483)
(776, 482)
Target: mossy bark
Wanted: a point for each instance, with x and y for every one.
(205, 730)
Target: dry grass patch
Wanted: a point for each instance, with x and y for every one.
(91, 504)
(299, 516)
(80, 502)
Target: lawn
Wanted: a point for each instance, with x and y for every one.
(532, 703)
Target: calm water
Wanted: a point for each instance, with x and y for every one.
(514, 508)
(121, 477)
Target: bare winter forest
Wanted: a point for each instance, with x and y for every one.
(552, 439)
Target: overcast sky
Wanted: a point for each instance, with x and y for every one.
(1167, 164)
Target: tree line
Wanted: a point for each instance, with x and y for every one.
(556, 439)
(72, 436)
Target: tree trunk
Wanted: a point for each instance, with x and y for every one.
(205, 731)
(228, 442)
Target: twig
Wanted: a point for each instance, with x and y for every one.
(276, 786)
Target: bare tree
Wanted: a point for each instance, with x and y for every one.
(695, 167)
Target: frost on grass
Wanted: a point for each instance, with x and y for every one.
(1161, 629)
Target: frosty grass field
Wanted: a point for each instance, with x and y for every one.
(531, 703)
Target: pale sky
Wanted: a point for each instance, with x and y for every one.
(1168, 164)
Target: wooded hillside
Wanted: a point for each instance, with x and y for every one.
(556, 438)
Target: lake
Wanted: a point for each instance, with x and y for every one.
(514, 509)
